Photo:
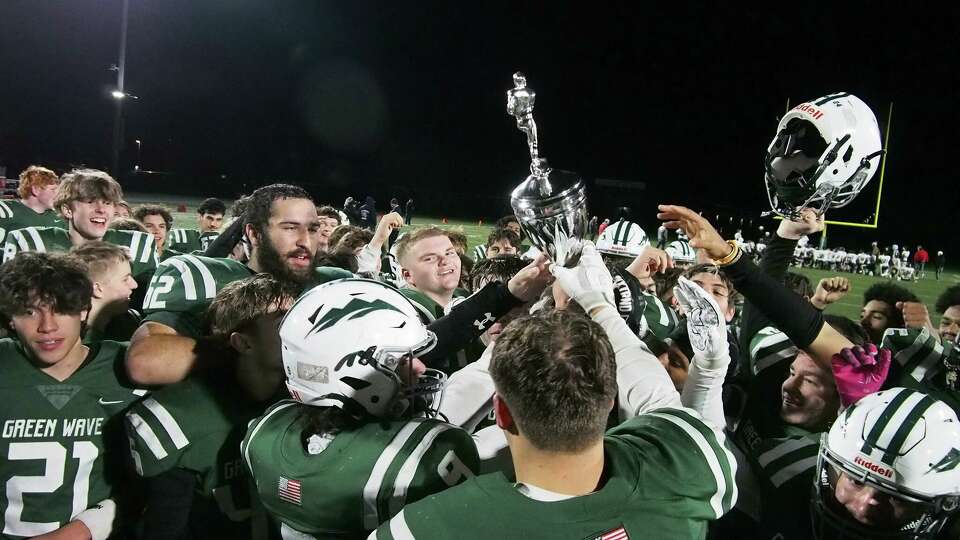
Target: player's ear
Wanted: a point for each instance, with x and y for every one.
(503, 415)
(97, 289)
(406, 275)
(66, 211)
(251, 233)
(240, 342)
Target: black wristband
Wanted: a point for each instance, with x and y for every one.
(469, 319)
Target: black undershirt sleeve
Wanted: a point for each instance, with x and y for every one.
(788, 312)
(774, 262)
(469, 319)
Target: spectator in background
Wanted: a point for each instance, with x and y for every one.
(352, 209)
(395, 206)
(920, 260)
(603, 226)
(408, 212)
(662, 237)
(122, 210)
(368, 214)
(329, 220)
(941, 263)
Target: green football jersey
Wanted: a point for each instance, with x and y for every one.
(431, 311)
(190, 240)
(666, 475)
(16, 215)
(198, 426)
(356, 479)
(143, 255)
(184, 286)
(61, 445)
(921, 362)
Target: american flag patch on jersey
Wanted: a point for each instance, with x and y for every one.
(289, 490)
(616, 534)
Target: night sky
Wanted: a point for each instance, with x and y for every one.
(408, 99)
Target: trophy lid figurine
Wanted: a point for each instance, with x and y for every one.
(550, 205)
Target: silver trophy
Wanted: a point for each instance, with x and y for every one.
(551, 205)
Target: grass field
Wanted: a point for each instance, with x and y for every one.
(927, 289)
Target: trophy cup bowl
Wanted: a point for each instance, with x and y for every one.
(552, 211)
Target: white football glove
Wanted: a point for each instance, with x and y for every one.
(589, 283)
(706, 326)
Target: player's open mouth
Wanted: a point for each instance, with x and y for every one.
(790, 403)
(47, 345)
(300, 259)
(446, 272)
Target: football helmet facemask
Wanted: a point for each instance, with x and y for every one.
(823, 155)
(904, 446)
(346, 343)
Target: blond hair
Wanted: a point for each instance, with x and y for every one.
(87, 185)
(406, 242)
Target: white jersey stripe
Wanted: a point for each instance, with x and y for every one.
(253, 432)
(5, 211)
(792, 470)
(209, 284)
(772, 359)
(20, 239)
(783, 449)
(189, 287)
(924, 368)
(371, 517)
(906, 355)
(405, 476)
(399, 529)
(168, 422)
(711, 457)
(134, 246)
(146, 433)
(35, 236)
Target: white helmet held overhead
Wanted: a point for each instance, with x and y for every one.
(681, 252)
(903, 446)
(824, 153)
(343, 343)
(623, 238)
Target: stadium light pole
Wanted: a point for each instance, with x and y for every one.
(119, 94)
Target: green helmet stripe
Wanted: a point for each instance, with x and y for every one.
(616, 232)
(626, 233)
(870, 441)
(893, 450)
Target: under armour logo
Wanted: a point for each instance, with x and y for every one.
(481, 324)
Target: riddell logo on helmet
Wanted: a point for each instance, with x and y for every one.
(811, 110)
(873, 467)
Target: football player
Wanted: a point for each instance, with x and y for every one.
(501, 242)
(330, 219)
(556, 378)
(158, 222)
(280, 221)
(682, 254)
(359, 440)
(209, 220)
(37, 191)
(948, 305)
(86, 199)
(108, 267)
(58, 399)
(888, 469)
(880, 310)
(185, 438)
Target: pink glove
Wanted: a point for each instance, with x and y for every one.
(859, 371)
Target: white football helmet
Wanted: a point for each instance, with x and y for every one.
(681, 252)
(824, 153)
(623, 238)
(903, 443)
(343, 343)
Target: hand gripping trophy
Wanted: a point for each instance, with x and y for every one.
(551, 205)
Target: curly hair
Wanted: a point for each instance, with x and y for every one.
(87, 185)
(153, 210)
(56, 280)
(890, 293)
(948, 298)
(500, 269)
(35, 176)
(799, 284)
(259, 207)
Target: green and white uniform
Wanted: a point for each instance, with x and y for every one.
(198, 426)
(357, 479)
(190, 240)
(920, 362)
(143, 253)
(61, 449)
(16, 215)
(184, 286)
(666, 475)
